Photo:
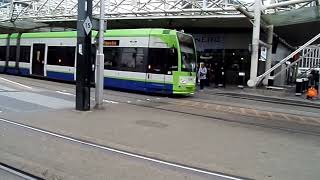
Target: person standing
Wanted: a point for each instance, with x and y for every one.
(202, 75)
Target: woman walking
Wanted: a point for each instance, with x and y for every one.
(202, 75)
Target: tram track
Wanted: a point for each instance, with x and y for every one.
(160, 105)
(266, 99)
(125, 153)
(16, 173)
(264, 125)
(292, 130)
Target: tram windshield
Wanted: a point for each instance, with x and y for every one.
(188, 56)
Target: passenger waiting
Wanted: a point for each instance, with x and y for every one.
(202, 75)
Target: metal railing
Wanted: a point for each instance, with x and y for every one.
(258, 80)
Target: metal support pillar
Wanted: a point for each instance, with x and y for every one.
(100, 60)
(255, 41)
(269, 53)
(84, 61)
(319, 82)
(7, 53)
(18, 53)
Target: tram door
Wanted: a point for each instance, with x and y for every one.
(155, 77)
(38, 59)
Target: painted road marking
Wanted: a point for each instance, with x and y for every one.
(109, 101)
(19, 84)
(65, 93)
(104, 100)
(125, 153)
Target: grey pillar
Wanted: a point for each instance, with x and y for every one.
(100, 60)
(255, 42)
(7, 53)
(269, 53)
(18, 53)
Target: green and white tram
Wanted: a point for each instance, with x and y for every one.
(149, 60)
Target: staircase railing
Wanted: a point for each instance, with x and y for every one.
(258, 80)
(295, 62)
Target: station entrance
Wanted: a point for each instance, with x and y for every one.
(224, 65)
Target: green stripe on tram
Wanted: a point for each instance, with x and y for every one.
(109, 33)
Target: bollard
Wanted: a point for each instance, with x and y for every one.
(241, 80)
(299, 82)
(270, 81)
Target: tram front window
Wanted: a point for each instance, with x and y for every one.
(188, 60)
(188, 57)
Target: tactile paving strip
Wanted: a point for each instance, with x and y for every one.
(250, 112)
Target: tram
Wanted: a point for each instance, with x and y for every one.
(148, 60)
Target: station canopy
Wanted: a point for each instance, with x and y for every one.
(28, 15)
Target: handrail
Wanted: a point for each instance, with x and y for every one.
(293, 63)
(258, 79)
(305, 72)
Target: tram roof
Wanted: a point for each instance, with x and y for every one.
(109, 33)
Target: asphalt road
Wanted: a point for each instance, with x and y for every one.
(73, 160)
(56, 158)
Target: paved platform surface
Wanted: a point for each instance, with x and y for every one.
(220, 134)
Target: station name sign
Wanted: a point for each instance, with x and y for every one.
(111, 43)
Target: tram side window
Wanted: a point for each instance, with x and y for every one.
(3, 53)
(124, 59)
(12, 55)
(111, 58)
(132, 59)
(162, 60)
(61, 55)
(127, 61)
(172, 64)
(25, 54)
(155, 63)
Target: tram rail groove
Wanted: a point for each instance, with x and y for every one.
(19, 173)
(292, 130)
(213, 103)
(264, 99)
(126, 153)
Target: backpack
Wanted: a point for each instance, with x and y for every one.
(312, 92)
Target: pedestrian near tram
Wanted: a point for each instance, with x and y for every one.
(202, 75)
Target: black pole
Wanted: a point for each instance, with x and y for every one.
(84, 61)
(18, 53)
(7, 53)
